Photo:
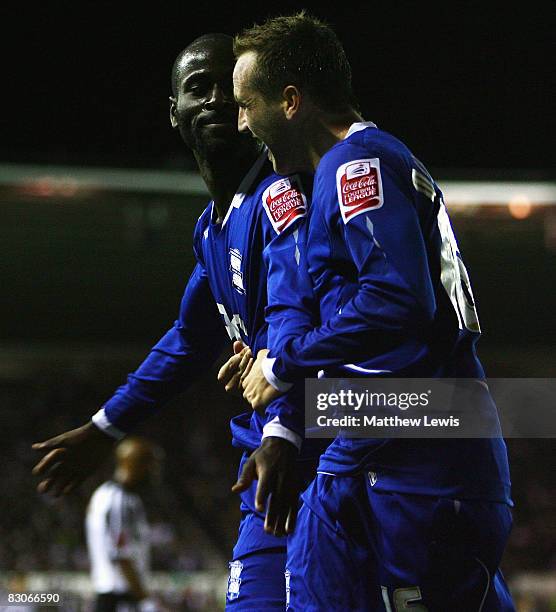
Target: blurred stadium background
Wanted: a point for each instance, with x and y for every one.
(94, 264)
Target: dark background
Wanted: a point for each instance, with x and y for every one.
(466, 85)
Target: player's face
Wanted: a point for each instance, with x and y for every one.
(264, 118)
(204, 109)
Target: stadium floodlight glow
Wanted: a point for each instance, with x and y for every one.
(496, 193)
(520, 207)
(49, 186)
(456, 193)
(109, 179)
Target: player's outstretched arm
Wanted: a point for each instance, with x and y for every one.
(70, 458)
(273, 464)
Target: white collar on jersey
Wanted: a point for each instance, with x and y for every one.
(244, 186)
(358, 126)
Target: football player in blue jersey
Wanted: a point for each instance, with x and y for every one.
(224, 301)
(387, 524)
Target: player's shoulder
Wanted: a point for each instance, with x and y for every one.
(201, 230)
(103, 493)
(365, 141)
(285, 199)
(204, 218)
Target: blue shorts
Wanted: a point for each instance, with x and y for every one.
(256, 582)
(360, 550)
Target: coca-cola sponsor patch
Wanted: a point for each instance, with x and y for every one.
(359, 187)
(284, 201)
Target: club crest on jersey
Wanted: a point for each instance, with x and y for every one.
(284, 201)
(234, 581)
(235, 269)
(359, 187)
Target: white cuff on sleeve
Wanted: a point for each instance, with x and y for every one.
(276, 430)
(101, 421)
(280, 385)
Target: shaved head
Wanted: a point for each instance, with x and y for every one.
(201, 44)
(202, 106)
(135, 458)
(134, 448)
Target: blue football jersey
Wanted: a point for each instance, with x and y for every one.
(393, 298)
(239, 287)
(224, 300)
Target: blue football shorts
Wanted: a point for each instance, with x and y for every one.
(357, 549)
(256, 581)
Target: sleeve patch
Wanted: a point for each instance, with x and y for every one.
(359, 187)
(284, 201)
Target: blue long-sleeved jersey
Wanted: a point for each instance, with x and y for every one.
(227, 286)
(224, 299)
(394, 298)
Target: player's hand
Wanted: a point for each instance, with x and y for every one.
(256, 389)
(273, 464)
(70, 458)
(237, 366)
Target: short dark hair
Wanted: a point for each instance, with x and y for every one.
(299, 50)
(204, 41)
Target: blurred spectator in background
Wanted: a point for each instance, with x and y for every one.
(118, 535)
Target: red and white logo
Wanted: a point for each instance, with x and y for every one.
(359, 187)
(284, 201)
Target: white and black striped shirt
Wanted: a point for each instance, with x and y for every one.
(117, 528)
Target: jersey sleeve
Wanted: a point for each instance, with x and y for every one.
(362, 203)
(183, 354)
(291, 310)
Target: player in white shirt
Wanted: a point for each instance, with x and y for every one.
(118, 531)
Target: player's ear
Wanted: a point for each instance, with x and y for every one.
(173, 108)
(291, 101)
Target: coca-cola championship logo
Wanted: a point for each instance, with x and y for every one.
(284, 201)
(359, 187)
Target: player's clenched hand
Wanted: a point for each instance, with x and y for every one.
(273, 464)
(256, 389)
(70, 458)
(237, 366)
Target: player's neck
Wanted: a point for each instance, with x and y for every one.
(223, 176)
(124, 478)
(324, 131)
